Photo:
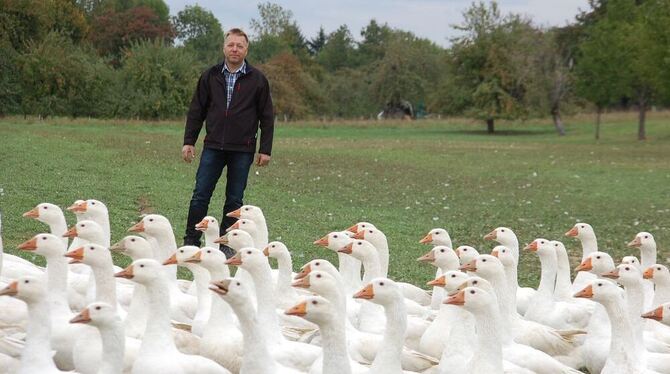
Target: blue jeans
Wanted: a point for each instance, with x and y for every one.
(212, 163)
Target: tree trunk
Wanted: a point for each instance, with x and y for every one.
(489, 125)
(598, 112)
(641, 131)
(558, 123)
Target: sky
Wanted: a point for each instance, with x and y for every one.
(431, 19)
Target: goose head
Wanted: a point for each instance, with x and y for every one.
(91, 254)
(182, 254)
(370, 234)
(602, 291)
(437, 236)
(581, 231)
(597, 263)
(660, 314)
(360, 226)
(486, 266)
(232, 290)
(473, 299)
(504, 236)
(315, 309)
(645, 241)
(208, 224)
(249, 259)
(89, 208)
(27, 288)
(466, 253)
(134, 246)
(442, 257)
(75, 208)
(244, 224)
(87, 230)
(631, 260)
(152, 225)
(559, 247)
(334, 240)
(317, 264)
(317, 281)
(504, 254)
(209, 258)
(276, 249)
(46, 213)
(657, 273)
(382, 291)
(251, 212)
(450, 280)
(98, 314)
(144, 271)
(46, 245)
(236, 239)
(624, 274)
(474, 281)
(359, 249)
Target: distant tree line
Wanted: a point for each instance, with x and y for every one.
(131, 59)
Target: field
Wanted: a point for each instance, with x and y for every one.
(405, 177)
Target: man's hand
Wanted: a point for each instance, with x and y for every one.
(188, 153)
(262, 159)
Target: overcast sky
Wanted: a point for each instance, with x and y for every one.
(431, 19)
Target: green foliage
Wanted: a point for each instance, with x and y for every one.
(273, 19)
(59, 78)
(375, 42)
(10, 85)
(200, 32)
(316, 43)
(158, 80)
(338, 52)
(350, 94)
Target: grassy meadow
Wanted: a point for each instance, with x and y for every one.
(405, 177)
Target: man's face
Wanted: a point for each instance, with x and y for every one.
(235, 49)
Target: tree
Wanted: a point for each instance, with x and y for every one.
(113, 31)
(375, 41)
(273, 19)
(275, 33)
(338, 52)
(200, 32)
(316, 44)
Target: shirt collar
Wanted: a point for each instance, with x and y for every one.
(241, 70)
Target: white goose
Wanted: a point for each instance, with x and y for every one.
(349, 267)
(37, 354)
(647, 245)
(660, 275)
(105, 318)
(437, 237)
(584, 232)
(293, 354)
(255, 214)
(210, 227)
(158, 353)
(257, 358)
(286, 294)
(466, 253)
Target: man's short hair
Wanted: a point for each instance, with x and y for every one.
(238, 32)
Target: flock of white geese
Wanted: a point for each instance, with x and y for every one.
(88, 316)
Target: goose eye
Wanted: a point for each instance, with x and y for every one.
(26, 281)
(483, 260)
(627, 268)
(437, 233)
(453, 275)
(600, 284)
(273, 246)
(181, 251)
(244, 223)
(91, 248)
(92, 203)
(442, 250)
(151, 219)
(465, 249)
(472, 292)
(646, 237)
(132, 239)
(235, 234)
(238, 283)
(44, 207)
(317, 263)
(44, 238)
(381, 283)
(583, 226)
(502, 230)
(248, 252)
(659, 269)
(209, 251)
(246, 209)
(335, 236)
(474, 282)
(598, 257)
(360, 243)
(97, 307)
(318, 275)
(314, 302)
(83, 225)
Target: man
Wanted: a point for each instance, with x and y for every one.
(233, 98)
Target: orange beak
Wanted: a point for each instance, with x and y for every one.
(532, 246)
(573, 232)
(322, 242)
(304, 272)
(301, 283)
(29, 245)
(32, 213)
(202, 225)
(83, 317)
(235, 213)
(426, 239)
(649, 273)
(221, 240)
(172, 260)
(366, 293)
(77, 255)
(614, 274)
(71, 232)
(656, 314)
(11, 290)
(353, 229)
(235, 260)
(78, 207)
(427, 258)
(234, 226)
(635, 242)
(493, 235)
(125, 273)
(360, 235)
(347, 249)
(266, 251)
(457, 299)
(220, 287)
(586, 293)
(299, 310)
(138, 227)
(470, 266)
(196, 258)
(440, 281)
(585, 265)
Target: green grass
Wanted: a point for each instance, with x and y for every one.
(406, 178)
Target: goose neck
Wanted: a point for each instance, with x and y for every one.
(371, 267)
(388, 357)
(58, 227)
(489, 337)
(158, 335)
(105, 283)
(623, 344)
(37, 351)
(547, 275)
(589, 245)
(257, 358)
(266, 302)
(562, 289)
(335, 357)
(113, 348)
(648, 256)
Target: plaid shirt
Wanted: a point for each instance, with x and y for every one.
(231, 78)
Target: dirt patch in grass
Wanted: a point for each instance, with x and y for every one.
(144, 205)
